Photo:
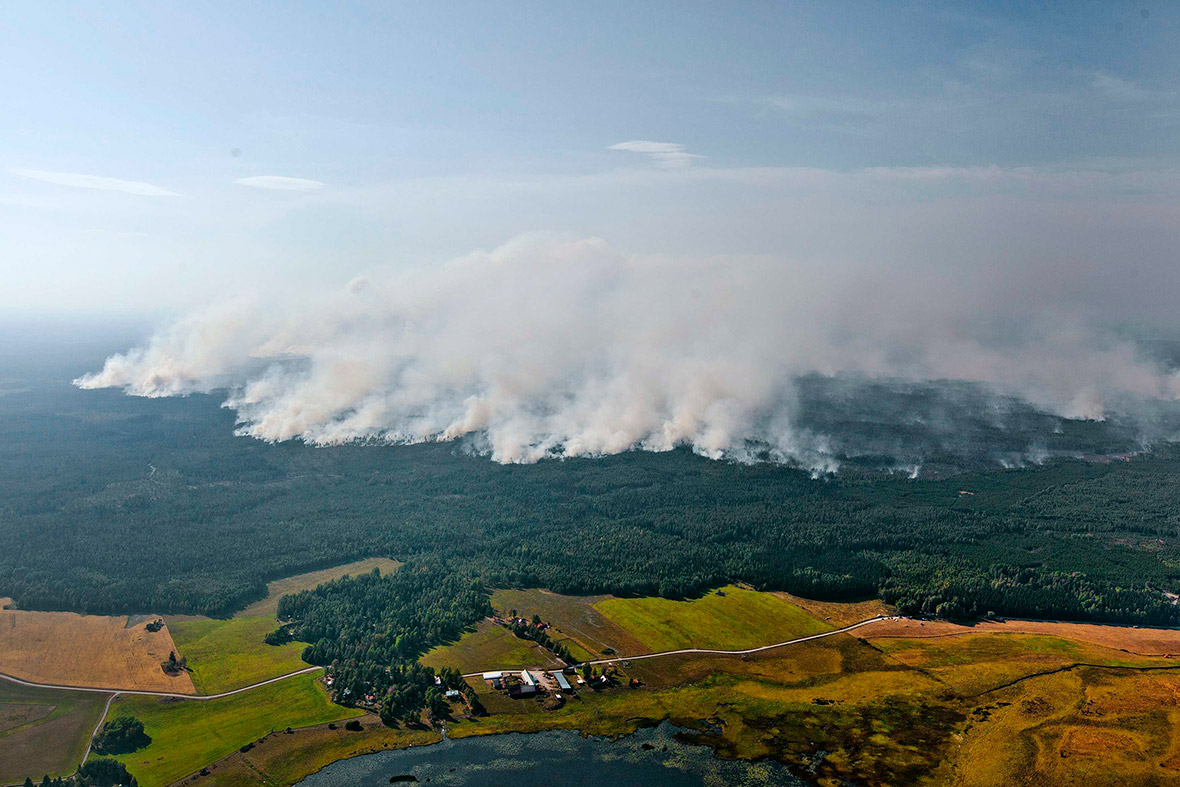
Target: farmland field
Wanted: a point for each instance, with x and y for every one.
(287, 758)
(576, 621)
(68, 649)
(489, 647)
(188, 734)
(921, 702)
(1147, 641)
(275, 590)
(44, 731)
(228, 654)
(730, 618)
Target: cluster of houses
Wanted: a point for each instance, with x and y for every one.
(530, 683)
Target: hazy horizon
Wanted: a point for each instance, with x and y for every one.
(579, 231)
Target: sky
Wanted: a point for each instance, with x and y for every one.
(156, 156)
(558, 229)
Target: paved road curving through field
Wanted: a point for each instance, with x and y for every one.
(146, 693)
(166, 694)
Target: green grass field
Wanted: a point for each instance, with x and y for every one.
(188, 734)
(229, 654)
(583, 629)
(736, 620)
(489, 647)
(44, 732)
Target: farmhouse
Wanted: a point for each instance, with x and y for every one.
(524, 690)
(528, 678)
(493, 675)
(562, 683)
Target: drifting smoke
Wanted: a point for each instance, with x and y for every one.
(548, 346)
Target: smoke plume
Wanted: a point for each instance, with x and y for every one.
(555, 346)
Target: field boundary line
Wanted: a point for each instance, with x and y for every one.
(148, 693)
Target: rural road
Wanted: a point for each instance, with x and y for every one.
(707, 651)
(168, 694)
(172, 695)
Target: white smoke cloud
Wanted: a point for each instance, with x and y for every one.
(669, 155)
(550, 345)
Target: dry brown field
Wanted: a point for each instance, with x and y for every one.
(1139, 641)
(67, 649)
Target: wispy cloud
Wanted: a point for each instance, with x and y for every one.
(80, 181)
(1120, 89)
(665, 154)
(280, 183)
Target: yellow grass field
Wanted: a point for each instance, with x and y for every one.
(1142, 641)
(730, 618)
(489, 647)
(268, 606)
(66, 649)
(576, 621)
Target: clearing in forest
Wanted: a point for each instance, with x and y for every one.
(268, 606)
(730, 618)
(67, 649)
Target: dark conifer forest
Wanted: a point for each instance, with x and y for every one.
(113, 504)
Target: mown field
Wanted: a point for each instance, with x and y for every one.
(231, 653)
(67, 649)
(44, 732)
(189, 734)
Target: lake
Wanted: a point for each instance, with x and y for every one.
(650, 758)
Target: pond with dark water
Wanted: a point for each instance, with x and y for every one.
(650, 758)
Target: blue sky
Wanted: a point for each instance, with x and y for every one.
(155, 155)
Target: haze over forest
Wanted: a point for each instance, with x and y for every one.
(648, 243)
